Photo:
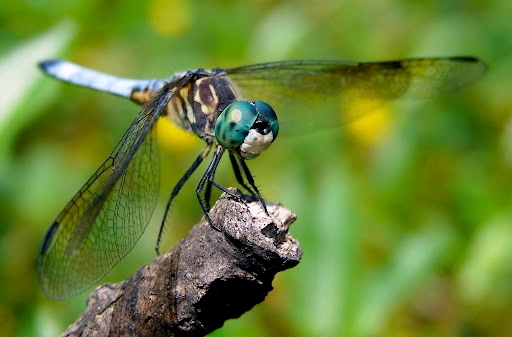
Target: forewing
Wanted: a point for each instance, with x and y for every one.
(104, 220)
(327, 93)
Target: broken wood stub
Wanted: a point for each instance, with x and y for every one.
(208, 277)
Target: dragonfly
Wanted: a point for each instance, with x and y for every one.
(233, 110)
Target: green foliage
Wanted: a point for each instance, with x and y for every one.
(406, 228)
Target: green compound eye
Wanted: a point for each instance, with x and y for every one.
(234, 123)
(268, 114)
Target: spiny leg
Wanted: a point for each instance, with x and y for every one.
(209, 171)
(239, 178)
(176, 190)
(238, 174)
(211, 181)
(208, 194)
(208, 177)
(250, 179)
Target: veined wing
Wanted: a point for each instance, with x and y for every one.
(104, 220)
(313, 91)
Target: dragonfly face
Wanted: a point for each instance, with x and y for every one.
(231, 109)
(249, 128)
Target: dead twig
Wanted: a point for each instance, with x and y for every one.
(207, 278)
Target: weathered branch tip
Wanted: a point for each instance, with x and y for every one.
(207, 278)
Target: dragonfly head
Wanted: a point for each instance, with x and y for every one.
(248, 127)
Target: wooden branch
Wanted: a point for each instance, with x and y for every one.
(207, 278)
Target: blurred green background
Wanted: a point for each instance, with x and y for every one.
(405, 216)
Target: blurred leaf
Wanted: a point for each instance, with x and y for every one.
(413, 261)
(170, 17)
(19, 105)
(486, 275)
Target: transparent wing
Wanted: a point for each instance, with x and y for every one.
(104, 220)
(311, 92)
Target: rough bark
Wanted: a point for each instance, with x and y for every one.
(207, 278)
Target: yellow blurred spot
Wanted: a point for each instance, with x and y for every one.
(372, 120)
(174, 138)
(169, 17)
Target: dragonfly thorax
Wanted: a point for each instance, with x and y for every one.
(196, 105)
(249, 128)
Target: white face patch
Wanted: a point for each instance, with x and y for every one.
(255, 143)
(236, 115)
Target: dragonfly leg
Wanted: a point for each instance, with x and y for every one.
(238, 174)
(208, 194)
(250, 180)
(207, 177)
(239, 178)
(176, 190)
